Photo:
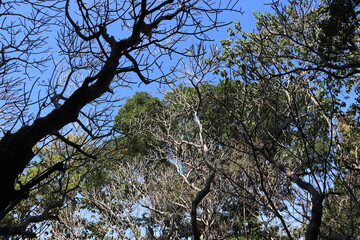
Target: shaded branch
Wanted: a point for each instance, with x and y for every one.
(22, 228)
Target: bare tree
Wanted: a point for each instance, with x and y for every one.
(99, 47)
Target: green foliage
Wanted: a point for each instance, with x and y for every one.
(340, 26)
(137, 113)
(290, 99)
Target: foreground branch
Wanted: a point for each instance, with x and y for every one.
(16, 148)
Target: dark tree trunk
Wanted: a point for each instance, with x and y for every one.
(313, 230)
(16, 149)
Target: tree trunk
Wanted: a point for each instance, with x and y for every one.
(313, 229)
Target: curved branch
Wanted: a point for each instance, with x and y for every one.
(77, 28)
(199, 197)
(136, 68)
(317, 198)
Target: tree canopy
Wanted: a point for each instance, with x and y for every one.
(260, 141)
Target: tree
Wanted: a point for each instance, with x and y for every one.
(339, 27)
(271, 131)
(295, 127)
(264, 152)
(341, 215)
(169, 176)
(108, 42)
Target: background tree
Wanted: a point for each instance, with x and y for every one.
(165, 168)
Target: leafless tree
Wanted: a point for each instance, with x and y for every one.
(62, 63)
